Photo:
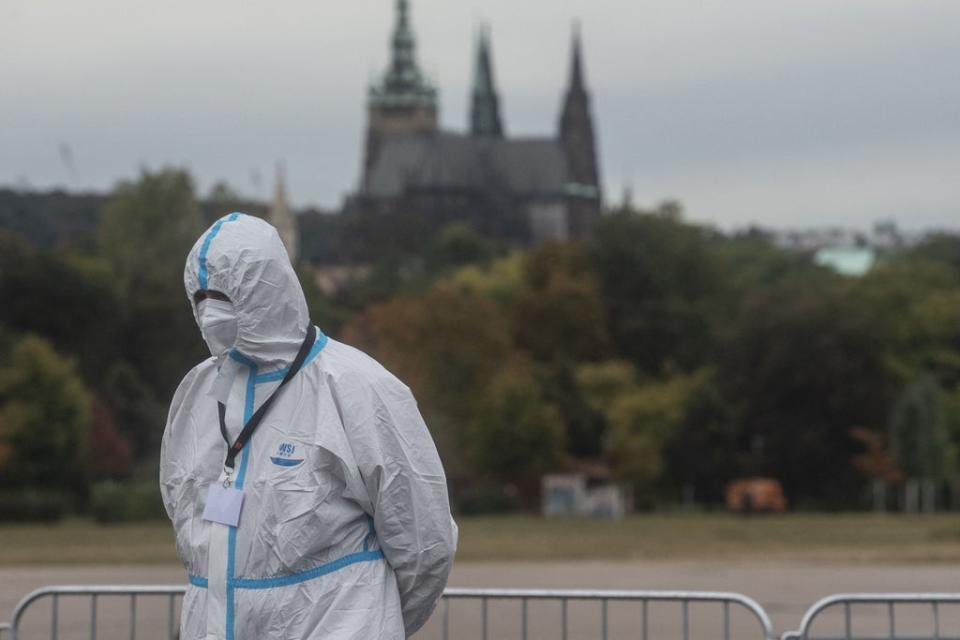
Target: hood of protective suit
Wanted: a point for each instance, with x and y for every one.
(243, 257)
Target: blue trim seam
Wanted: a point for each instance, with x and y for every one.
(295, 578)
(276, 376)
(241, 474)
(252, 381)
(202, 274)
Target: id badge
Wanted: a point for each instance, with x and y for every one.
(223, 504)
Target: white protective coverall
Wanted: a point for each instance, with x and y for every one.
(345, 530)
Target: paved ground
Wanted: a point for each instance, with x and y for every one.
(784, 588)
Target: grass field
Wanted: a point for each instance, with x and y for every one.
(817, 537)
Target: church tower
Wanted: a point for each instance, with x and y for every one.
(485, 108)
(403, 101)
(576, 129)
(282, 218)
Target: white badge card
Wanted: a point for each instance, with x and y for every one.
(223, 505)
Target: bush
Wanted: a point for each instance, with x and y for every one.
(31, 506)
(126, 502)
(482, 497)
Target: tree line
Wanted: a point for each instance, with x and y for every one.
(676, 356)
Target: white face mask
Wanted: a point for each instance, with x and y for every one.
(218, 324)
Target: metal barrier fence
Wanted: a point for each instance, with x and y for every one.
(846, 603)
(686, 599)
(94, 594)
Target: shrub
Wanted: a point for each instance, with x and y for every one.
(126, 502)
(31, 506)
(481, 497)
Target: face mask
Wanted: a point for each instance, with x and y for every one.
(218, 324)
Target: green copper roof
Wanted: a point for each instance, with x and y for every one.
(848, 261)
(403, 84)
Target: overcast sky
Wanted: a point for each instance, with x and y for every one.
(787, 113)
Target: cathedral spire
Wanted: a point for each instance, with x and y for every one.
(576, 61)
(403, 85)
(404, 43)
(485, 110)
(402, 101)
(281, 217)
(576, 126)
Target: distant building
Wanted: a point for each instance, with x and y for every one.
(283, 219)
(848, 261)
(587, 491)
(540, 188)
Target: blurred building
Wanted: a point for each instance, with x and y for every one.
(537, 188)
(282, 218)
(848, 261)
(586, 490)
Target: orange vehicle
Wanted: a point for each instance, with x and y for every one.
(756, 495)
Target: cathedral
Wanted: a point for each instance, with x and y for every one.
(530, 188)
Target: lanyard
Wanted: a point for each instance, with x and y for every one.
(255, 419)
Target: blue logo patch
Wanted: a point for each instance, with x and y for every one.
(284, 457)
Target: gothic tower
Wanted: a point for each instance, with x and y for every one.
(485, 109)
(403, 101)
(282, 218)
(576, 129)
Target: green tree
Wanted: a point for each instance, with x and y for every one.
(134, 410)
(919, 432)
(560, 313)
(942, 248)
(805, 365)
(502, 280)
(45, 412)
(642, 417)
(910, 299)
(148, 227)
(146, 232)
(641, 421)
(516, 435)
(457, 245)
(603, 382)
(447, 345)
(663, 284)
(68, 299)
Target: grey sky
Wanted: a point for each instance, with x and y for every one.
(787, 113)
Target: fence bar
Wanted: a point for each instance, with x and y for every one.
(646, 630)
(483, 606)
(605, 596)
(726, 621)
(889, 600)
(93, 591)
(93, 617)
(171, 615)
(446, 620)
(893, 622)
(563, 609)
(523, 606)
(936, 620)
(133, 616)
(55, 623)
(603, 606)
(644, 598)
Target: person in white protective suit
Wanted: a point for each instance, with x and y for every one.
(332, 519)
